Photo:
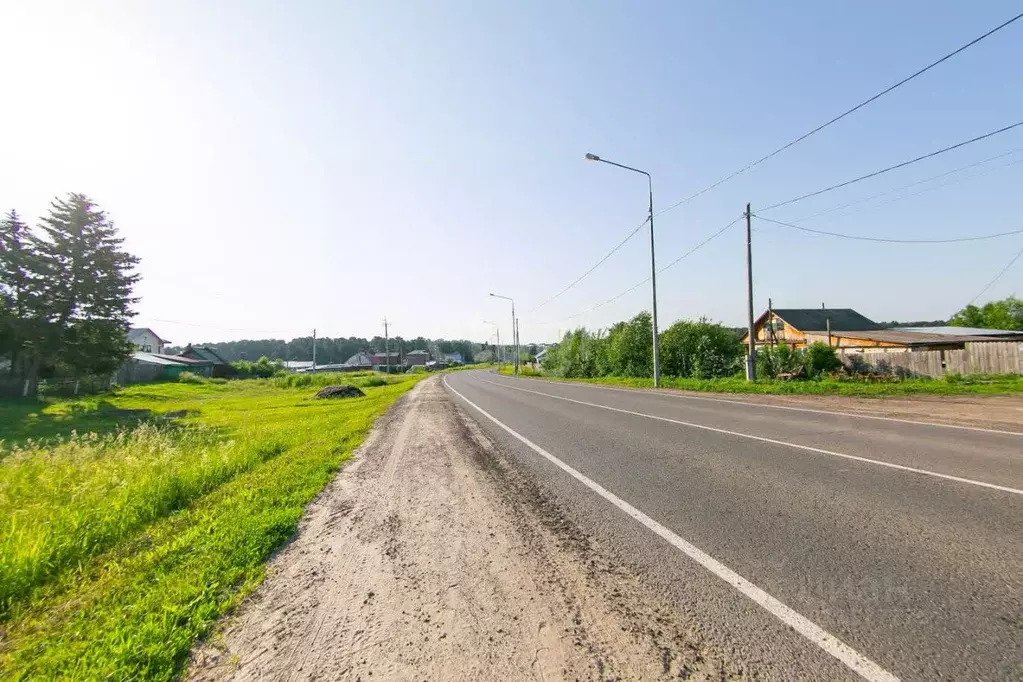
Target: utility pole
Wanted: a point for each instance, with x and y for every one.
(499, 355)
(387, 353)
(516, 345)
(751, 354)
(314, 351)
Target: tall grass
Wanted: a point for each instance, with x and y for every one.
(118, 551)
(61, 505)
(321, 379)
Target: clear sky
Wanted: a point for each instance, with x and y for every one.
(280, 166)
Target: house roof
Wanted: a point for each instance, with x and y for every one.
(154, 359)
(816, 319)
(136, 332)
(907, 338)
(206, 353)
(418, 352)
(182, 360)
(361, 359)
(964, 331)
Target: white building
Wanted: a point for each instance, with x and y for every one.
(146, 340)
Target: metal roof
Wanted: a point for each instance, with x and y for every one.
(904, 337)
(964, 331)
(181, 359)
(816, 319)
(154, 359)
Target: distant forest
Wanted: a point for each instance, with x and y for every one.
(331, 351)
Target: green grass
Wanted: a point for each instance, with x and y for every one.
(955, 385)
(117, 551)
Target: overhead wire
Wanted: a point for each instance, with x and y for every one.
(919, 182)
(953, 240)
(998, 276)
(596, 265)
(214, 327)
(777, 151)
(843, 114)
(893, 167)
(663, 269)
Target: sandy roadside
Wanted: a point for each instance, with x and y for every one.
(428, 557)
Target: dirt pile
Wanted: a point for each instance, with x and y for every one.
(340, 392)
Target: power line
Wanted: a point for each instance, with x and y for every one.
(597, 265)
(842, 115)
(781, 149)
(998, 276)
(215, 327)
(920, 182)
(666, 267)
(892, 241)
(895, 167)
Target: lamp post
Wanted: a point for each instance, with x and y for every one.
(653, 266)
(497, 356)
(515, 337)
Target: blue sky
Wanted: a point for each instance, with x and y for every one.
(284, 166)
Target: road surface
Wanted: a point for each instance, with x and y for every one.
(810, 545)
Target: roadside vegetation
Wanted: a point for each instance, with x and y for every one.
(130, 521)
(699, 355)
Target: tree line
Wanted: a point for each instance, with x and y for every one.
(333, 350)
(66, 292)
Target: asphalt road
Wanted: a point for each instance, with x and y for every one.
(812, 545)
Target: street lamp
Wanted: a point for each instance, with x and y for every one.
(653, 266)
(497, 328)
(515, 334)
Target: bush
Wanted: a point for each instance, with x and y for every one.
(700, 350)
(263, 368)
(191, 378)
(820, 359)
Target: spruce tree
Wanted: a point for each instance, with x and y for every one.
(18, 291)
(88, 286)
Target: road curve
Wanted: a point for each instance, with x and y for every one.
(815, 546)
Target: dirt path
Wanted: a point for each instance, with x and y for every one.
(428, 557)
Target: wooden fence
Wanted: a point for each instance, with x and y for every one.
(998, 357)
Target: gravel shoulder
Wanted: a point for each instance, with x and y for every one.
(431, 557)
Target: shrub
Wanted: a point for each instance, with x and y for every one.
(700, 350)
(263, 368)
(819, 359)
(191, 378)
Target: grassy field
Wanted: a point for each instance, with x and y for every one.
(131, 520)
(951, 386)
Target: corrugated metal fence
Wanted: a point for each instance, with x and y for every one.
(977, 358)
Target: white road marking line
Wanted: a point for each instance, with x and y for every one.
(680, 396)
(762, 439)
(830, 644)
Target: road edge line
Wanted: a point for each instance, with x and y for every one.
(685, 396)
(855, 661)
(772, 441)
